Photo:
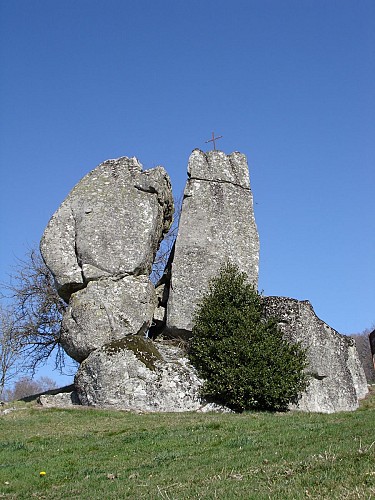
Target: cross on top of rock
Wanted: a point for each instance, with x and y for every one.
(214, 139)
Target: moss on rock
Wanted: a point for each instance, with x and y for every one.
(142, 348)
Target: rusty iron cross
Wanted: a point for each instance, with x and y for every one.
(214, 139)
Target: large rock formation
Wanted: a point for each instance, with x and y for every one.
(111, 224)
(216, 224)
(337, 379)
(100, 246)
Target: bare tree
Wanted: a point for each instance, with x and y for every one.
(37, 309)
(37, 312)
(25, 386)
(362, 341)
(9, 349)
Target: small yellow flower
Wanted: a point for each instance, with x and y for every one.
(42, 473)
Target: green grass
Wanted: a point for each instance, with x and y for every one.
(89, 454)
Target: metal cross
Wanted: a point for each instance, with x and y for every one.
(214, 139)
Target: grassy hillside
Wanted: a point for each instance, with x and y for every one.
(92, 454)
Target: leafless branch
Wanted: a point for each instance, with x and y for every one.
(9, 349)
(36, 312)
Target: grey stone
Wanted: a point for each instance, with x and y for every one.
(10, 410)
(362, 342)
(140, 375)
(217, 166)
(356, 369)
(110, 224)
(61, 400)
(336, 377)
(107, 310)
(217, 224)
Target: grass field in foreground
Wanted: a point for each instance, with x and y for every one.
(92, 454)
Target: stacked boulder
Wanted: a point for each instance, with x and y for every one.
(100, 246)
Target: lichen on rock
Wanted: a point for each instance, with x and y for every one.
(337, 380)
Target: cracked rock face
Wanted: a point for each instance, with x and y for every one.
(105, 311)
(217, 224)
(110, 224)
(337, 379)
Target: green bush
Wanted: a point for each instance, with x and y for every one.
(243, 358)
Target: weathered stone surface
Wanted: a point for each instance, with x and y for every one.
(61, 400)
(356, 369)
(216, 224)
(107, 310)
(110, 224)
(337, 379)
(219, 167)
(362, 342)
(138, 374)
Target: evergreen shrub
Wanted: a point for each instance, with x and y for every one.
(243, 358)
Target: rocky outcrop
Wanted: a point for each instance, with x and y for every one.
(110, 224)
(216, 224)
(141, 375)
(107, 310)
(337, 379)
(100, 245)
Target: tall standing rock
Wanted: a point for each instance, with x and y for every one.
(216, 224)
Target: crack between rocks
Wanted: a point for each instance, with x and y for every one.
(75, 247)
(220, 181)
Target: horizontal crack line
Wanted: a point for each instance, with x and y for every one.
(220, 181)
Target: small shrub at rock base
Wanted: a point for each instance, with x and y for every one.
(243, 358)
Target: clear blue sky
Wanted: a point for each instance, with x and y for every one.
(289, 83)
